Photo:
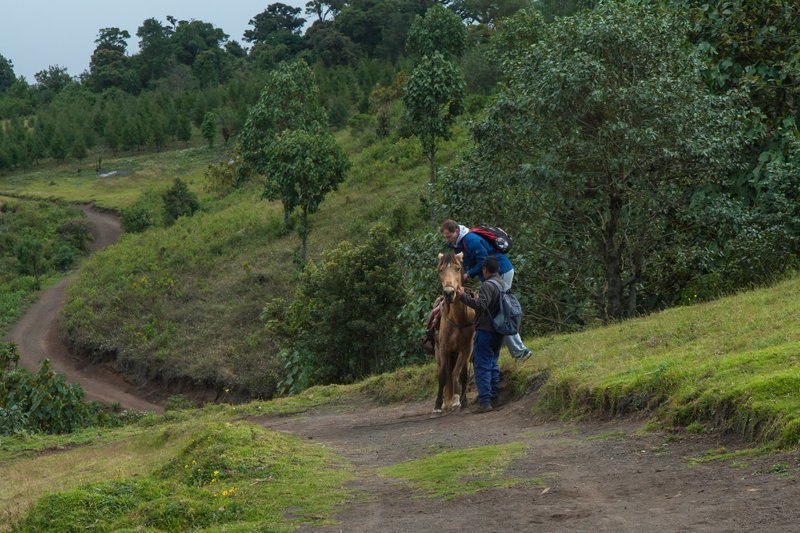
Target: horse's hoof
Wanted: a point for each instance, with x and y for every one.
(455, 405)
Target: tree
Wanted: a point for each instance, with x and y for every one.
(487, 11)
(191, 38)
(322, 9)
(154, 49)
(601, 146)
(209, 128)
(301, 168)
(431, 98)
(289, 101)
(178, 201)
(30, 258)
(7, 77)
(277, 26)
(440, 30)
(53, 79)
(109, 65)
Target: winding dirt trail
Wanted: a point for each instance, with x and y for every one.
(37, 333)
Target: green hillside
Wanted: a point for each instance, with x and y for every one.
(182, 304)
(731, 365)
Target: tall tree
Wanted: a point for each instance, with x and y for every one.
(109, 65)
(302, 167)
(432, 95)
(7, 77)
(53, 79)
(191, 38)
(273, 23)
(324, 8)
(154, 49)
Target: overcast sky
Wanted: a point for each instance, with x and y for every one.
(35, 34)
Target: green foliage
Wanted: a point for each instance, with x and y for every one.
(440, 30)
(289, 100)
(41, 402)
(594, 164)
(432, 98)
(341, 325)
(7, 76)
(209, 128)
(301, 168)
(146, 212)
(178, 201)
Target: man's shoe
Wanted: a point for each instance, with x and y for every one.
(482, 409)
(525, 355)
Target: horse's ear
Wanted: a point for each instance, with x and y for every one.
(460, 256)
(440, 257)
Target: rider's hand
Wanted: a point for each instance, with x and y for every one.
(465, 277)
(459, 291)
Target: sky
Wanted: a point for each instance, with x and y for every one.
(35, 34)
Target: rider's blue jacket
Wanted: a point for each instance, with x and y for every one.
(476, 249)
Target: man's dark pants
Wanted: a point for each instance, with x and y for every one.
(484, 359)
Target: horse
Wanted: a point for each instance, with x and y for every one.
(456, 332)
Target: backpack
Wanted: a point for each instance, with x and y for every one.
(497, 237)
(509, 317)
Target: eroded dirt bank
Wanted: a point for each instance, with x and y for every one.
(37, 333)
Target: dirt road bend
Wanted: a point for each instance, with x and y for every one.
(37, 333)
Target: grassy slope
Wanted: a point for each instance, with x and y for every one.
(183, 303)
(733, 364)
(79, 183)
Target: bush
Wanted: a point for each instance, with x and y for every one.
(342, 324)
(146, 212)
(178, 201)
(41, 402)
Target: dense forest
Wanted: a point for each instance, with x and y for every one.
(644, 154)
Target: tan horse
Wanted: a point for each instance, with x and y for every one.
(456, 331)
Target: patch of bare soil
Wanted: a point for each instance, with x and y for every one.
(38, 334)
(591, 476)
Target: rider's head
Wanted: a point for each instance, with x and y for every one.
(449, 230)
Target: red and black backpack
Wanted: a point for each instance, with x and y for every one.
(497, 237)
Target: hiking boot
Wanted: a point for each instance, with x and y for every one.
(524, 357)
(482, 408)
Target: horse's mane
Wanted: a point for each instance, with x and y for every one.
(449, 258)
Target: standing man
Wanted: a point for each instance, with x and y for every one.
(476, 250)
(486, 349)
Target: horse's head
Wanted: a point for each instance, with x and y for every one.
(450, 272)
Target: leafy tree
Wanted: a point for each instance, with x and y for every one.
(178, 201)
(562, 8)
(274, 22)
(332, 330)
(322, 9)
(183, 128)
(30, 258)
(209, 128)
(53, 79)
(431, 98)
(7, 76)
(289, 101)
(109, 65)
(601, 147)
(487, 11)
(154, 49)
(440, 30)
(302, 167)
(211, 67)
(190, 38)
(331, 46)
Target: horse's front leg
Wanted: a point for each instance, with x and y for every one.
(437, 408)
(459, 382)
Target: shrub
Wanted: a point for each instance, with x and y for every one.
(146, 212)
(342, 323)
(178, 201)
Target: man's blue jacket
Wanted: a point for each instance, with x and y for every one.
(476, 249)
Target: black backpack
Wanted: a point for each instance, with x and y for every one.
(497, 237)
(509, 318)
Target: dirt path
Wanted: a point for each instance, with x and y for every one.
(37, 333)
(598, 476)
